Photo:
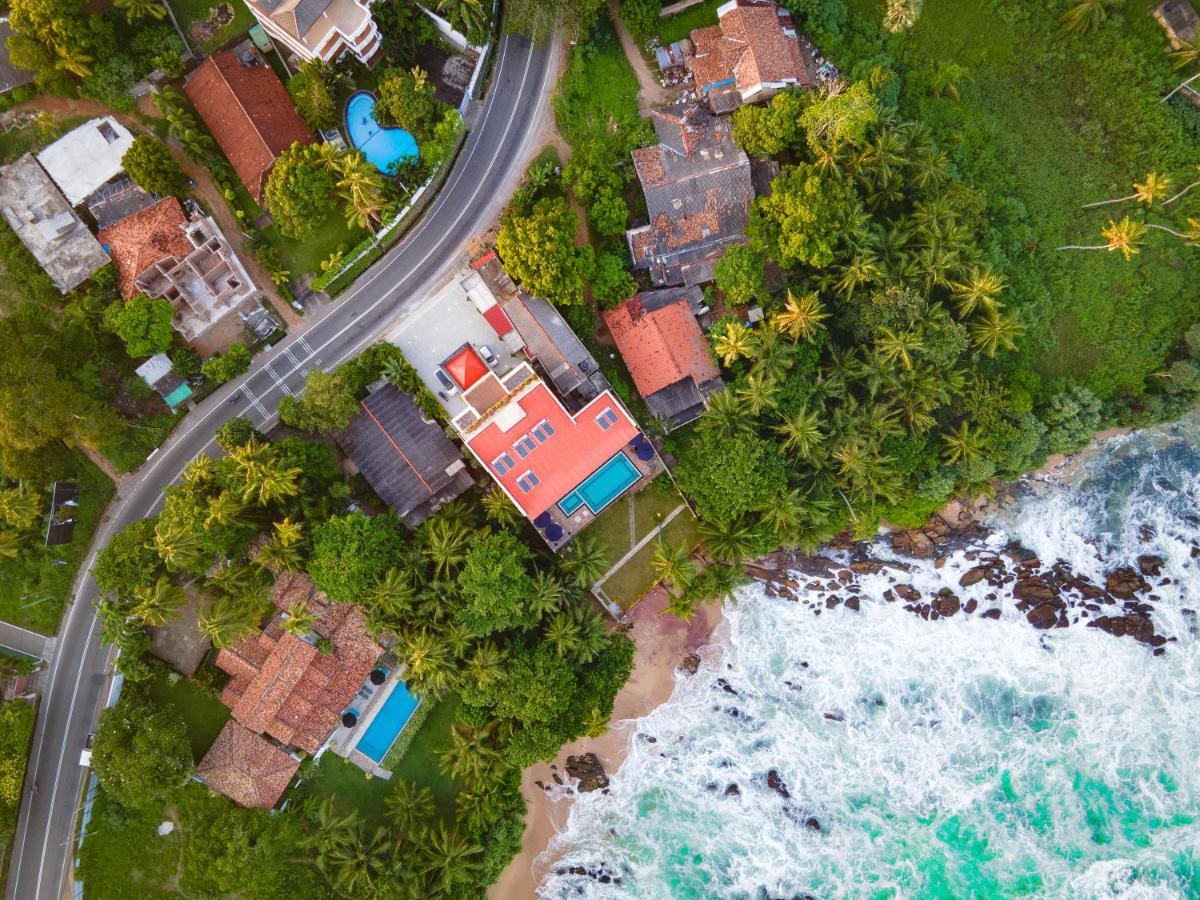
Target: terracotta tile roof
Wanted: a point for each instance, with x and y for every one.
(282, 685)
(249, 112)
(754, 45)
(139, 241)
(576, 449)
(246, 768)
(661, 346)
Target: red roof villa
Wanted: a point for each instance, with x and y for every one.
(285, 693)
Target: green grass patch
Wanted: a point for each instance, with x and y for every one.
(677, 27)
(650, 506)
(189, 11)
(306, 254)
(18, 722)
(123, 856)
(203, 714)
(597, 96)
(420, 764)
(350, 786)
(131, 448)
(636, 577)
(33, 589)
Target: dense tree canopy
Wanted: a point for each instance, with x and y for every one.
(298, 190)
(351, 553)
(143, 323)
(538, 249)
(141, 750)
(152, 167)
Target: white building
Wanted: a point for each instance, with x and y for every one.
(321, 29)
(83, 160)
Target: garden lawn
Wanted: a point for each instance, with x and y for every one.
(420, 764)
(33, 592)
(629, 583)
(139, 439)
(204, 716)
(349, 785)
(189, 11)
(597, 96)
(650, 506)
(1049, 121)
(124, 857)
(306, 255)
(677, 27)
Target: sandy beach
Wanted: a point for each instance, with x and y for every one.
(662, 643)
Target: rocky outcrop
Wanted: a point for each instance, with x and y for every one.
(588, 770)
(690, 664)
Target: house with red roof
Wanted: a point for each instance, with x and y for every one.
(248, 111)
(660, 339)
(750, 55)
(286, 692)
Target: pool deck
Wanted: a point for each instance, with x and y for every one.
(344, 740)
(582, 517)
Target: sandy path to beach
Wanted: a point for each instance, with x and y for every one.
(662, 643)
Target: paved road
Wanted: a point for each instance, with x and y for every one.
(494, 155)
(22, 640)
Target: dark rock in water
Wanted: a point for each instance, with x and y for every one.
(711, 787)
(973, 576)
(970, 606)
(1159, 651)
(940, 562)
(777, 784)
(557, 778)
(725, 686)
(577, 870)
(889, 595)
(589, 771)
(690, 664)
(1140, 628)
(990, 614)
(733, 791)
(908, 593)
(1034, 589)
(852, 603)
(832, 602)
(1146, 533)
(835, 715)
(1150, 565)
(947, 603)
(812, 823)
(1044, 615)
(1124, 582)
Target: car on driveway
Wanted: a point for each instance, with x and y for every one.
(446, 382)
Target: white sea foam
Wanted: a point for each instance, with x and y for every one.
(949, 758)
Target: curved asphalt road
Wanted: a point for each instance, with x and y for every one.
(500, 143)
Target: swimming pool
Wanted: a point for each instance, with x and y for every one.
(603, 486)
(397, 709)
(381, 146)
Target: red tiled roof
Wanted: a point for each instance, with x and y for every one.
(660, 347)
(465, 367)
(246, 768)
(577, 448)
(139, 241)
(751, 46)
(496, 317)
(483, 260)
(249, 112)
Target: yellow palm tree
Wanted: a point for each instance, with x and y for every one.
(978, 291)
(800, 318)
(732, 343)
(1153, 187)
(994, 331)
(1125, 236)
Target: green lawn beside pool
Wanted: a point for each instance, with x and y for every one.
(420, 764)
(629, 583)
(34, 587)
(650, 506)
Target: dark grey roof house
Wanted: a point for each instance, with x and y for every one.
(553, 343)
(405, 457)
(698, 191)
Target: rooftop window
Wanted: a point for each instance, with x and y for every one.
(607, 418)
(524, 446)
(503, 463)
(528, 481)
(543, 430)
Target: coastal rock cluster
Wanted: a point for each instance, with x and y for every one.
(1050, 596)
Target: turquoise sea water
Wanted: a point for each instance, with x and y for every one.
(957, 758)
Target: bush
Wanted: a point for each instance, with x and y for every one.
(220, 369)
(142, 323)
(153, 168)
(1071, 418)
(612, 283)
(405, 100)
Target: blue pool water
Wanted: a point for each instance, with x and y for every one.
(397, 709)
(603, 486)
(381, 146)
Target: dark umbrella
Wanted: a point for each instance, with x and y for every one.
(554, 532)
(644, 452)
(350, 718)
(543, 520)
(378, 676)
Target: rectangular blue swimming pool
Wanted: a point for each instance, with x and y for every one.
(397, 709)
(603, 486)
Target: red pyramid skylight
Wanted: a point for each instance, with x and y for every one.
(465, 367)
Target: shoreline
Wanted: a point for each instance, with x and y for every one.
(662, 644)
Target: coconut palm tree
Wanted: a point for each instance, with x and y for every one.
(862, 270)
(1154, 187)
(74, 59)
(547, 594)
(897, 346)
(785, 515)
(947, 78)
(470, 17)
(445, 540)
(273, 482)
(226, 622)
(731, 543)
(409, 805)
(429, 666)
(299, 620)
(359, 860)
(141, 9)
(156, 604)
(178, 547)
(716, 582)
(672, 566)
(773, 355)
(586, 562)
(499, 509)
(978, 290)
(562, 634)
(279, 556)
(1125, 236)
(20, 508)
(486, 665)
(10, 546)
(759, 392)
(447, 857)
(224, 509)
(963, 444)
(802, 433)
(801, 317)
(725, 414)
(682, 606)
(470, 755)
(1085, 15)
(593, 634)
(732, 342)
(901, 14)
(995, 331)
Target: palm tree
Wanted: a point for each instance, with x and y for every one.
(140, 9)
(445, 541)
(785, 515)
(800, 318)
(862, 269)
(1086, 15)
(562, 634)
(359, 860)
(279, 556)
(499, 509)
(962, 444)
(587, 561)
(995, 331)
(901, 14)
(947, 79)
(299, 620)
(9, 545)
(448, 857)
(410, 805)
(731, 543)
(733, 342)
(593, 634)
(1126, 236)
(470, 17)
(897, 346)
(470, 754)
(717, 582)
(672, 566)
(20, 508)
(978, 291)
(682, 606)
(1153, 188)
(802, 433)
(361, 186)
(272, 482)
(759, 392)
(428, 662)
(393, 595)
(725, 414)
(224, 509)
(156, 604)
(74, 59)
(226, 622)
(547, 594)
(486, 665)
(178, 547)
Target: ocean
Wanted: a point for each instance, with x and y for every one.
(873, 753)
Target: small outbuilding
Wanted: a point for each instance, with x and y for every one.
(1179, 20)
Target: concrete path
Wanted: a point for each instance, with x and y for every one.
(655, 532)
(650, 92)
(22, 640)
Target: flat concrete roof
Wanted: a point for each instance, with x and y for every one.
(45, 222)
(86, 157)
